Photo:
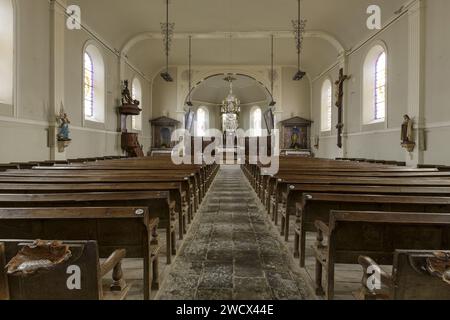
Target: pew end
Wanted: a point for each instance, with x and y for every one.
(79, 277)
(412, 277)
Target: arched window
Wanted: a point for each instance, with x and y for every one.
(326, 105)
(375, 85)
(256, 121)
(380, 87)
(202, 122)
(136, 91)
(88, 86)
(6, 52)
(94, 85)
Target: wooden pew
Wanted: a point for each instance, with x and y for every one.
(157, 175)
(411, 278)
(84, 255)
(129, 228)
(182, 194)
(291, 193)
(158, 203)
(439, 167)
(254, 172)
(280, 192)
(4, 167)
(317, 206)
(268, 183)
(173, 188)
(351, 234)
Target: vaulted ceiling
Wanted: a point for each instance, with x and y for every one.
(214, 89)
(119, 21)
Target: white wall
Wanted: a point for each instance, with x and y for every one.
(24, 125)
(165, 96)
(295, 96)
(375, 141)
(382, 141)
(437, 93)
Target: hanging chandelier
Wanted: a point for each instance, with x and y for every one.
(299, 26)
(231, 104)
(167, 29)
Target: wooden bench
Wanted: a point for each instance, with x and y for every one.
(182, 194)
(351, 234)
(411, 278)
(187, 183)
(158, 204)
(317, 206)
(4, 167)
(53, 284)
(269, 185)
(129, 228)
(291, 193)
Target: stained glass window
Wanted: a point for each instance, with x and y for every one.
(380, 87)
(88, 86)
(327, 100)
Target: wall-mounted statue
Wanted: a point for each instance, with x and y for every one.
(407, 134)
(63, 133)
(63, 126)
(127, 99)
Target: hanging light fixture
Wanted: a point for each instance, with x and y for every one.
(272, 75)
(167, 31)
(189, 102)
(231, 104)
(299, 32)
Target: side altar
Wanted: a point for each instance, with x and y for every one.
(295, 137)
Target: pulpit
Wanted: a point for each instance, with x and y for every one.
(129, 141)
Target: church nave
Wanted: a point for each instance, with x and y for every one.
(232, 250)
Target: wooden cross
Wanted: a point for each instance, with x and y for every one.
(340, 103)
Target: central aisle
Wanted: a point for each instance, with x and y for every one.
(232, 251)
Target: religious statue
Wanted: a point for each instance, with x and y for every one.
(63, 126)
(407, 134)
(127, 99)
(295, 139)
(340, 103)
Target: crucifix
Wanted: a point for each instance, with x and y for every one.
(340, 104)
